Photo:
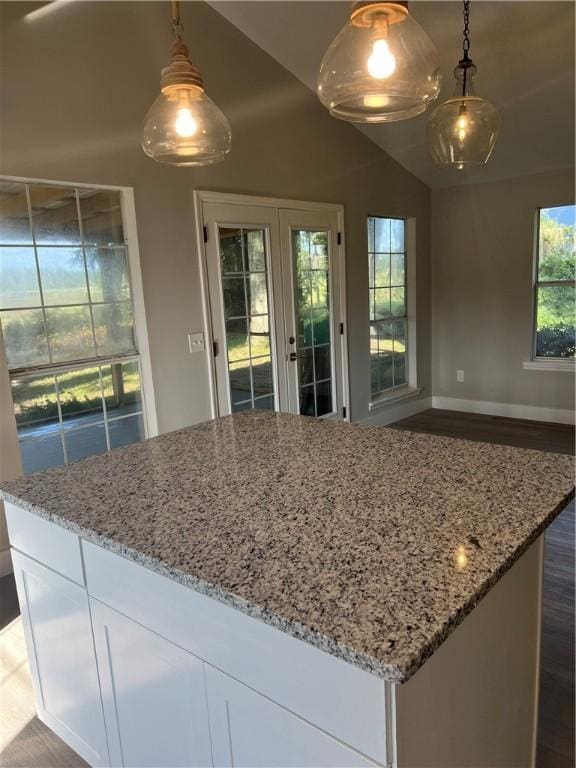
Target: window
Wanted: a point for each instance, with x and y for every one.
(388, 304)
(67, 318)
(554, 294)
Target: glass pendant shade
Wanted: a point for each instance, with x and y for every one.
(381, 67)
(463, 130)
(184, 127)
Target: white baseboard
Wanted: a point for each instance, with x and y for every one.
(5, 562)
(511, 410)
(395, 411)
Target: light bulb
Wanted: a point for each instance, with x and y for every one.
(185, 124)
(382, 61)
(462, 124)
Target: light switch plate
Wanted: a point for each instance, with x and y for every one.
(196, 342)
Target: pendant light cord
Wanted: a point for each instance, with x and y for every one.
(466, 61)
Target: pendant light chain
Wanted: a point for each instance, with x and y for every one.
(466, 61)
(176, 25)
(466, 42)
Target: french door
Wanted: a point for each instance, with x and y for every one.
(275, 295)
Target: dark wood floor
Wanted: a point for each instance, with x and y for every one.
(27, 743)
(556, 706)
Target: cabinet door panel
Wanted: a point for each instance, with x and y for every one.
(58, 633)
(250, 731)
(154, 695)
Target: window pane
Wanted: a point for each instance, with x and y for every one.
(18, 278)
(557, 247)
(555, 321)
(101, 214)
(24, 338)
(114, 328)
(258, 294)
(262, 376)
(264, 403)
(323, 398)
(259, 344)
(306, 366)
(80, 397)
(321, 326)
(42, 452)
(108, 274)
(384, 333)
(371, 236)
(385, 371)
(381, 303)
(397, 303)
(399, 369)
(322, 362)
(400, 335)
(126, 431)
(35, 403)
(234, 298)
(55, 215)
(237, 339)
(231, 250)
(307, 406)
(122, 389)
(81, 443)
(70, 333)
(254, 249)
(382, 270)
(63, 275)
(14, 219)
(240, 388)
(319, 288)
(397, 236)
(382, 235)
(397, 269)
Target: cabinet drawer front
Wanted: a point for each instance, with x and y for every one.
(46, 542)
(336, 697)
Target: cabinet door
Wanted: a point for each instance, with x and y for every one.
(56, 619)
(154, 695)
(250, 731)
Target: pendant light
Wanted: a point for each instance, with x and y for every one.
(463, 130)
(183, 126)
(381, 67)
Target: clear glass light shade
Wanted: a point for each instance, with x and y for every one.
(379, 69)
(463, 130)
(185, 127)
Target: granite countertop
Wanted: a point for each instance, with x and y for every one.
(369, 543)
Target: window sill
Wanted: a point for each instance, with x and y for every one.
(402, 393)
(567, 365)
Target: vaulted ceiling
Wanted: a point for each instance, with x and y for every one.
(524, 52)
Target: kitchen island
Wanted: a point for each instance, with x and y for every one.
(275, 590)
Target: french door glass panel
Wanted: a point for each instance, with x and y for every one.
(244, 270)
(312, 307)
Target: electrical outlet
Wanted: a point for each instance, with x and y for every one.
(196, 342)
(459, 375)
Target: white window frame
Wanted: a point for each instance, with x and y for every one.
(535, 363)
(411, 388)
(137, 294)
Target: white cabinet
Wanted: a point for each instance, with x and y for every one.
(153, 693)
(250, 731)
(56, 619)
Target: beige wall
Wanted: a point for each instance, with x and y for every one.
(76, 85)
(482, 259)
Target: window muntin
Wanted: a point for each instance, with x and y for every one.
(554, 292)
(388, 304)
(67, 319)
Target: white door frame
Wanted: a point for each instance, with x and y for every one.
(207, 196)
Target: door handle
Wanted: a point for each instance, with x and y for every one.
(294, 356)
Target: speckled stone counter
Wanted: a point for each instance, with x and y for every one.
(369, 543)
